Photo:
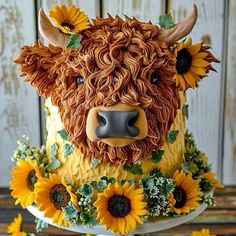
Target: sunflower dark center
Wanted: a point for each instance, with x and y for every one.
(184, 61)
(119, 206)
(67, 24)
(31, 179)
(180, 197)
(59, 196)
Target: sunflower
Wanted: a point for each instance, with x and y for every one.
(24, 177)
(203, 232)
(69, 21)
(119, 207)
(52, 195)
(15, 227)
(210, 176)
(193, 62)
(185, 197)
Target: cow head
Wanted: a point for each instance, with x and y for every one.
(116, 94)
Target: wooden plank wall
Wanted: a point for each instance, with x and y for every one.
(212, 124)
(92, 8)
(143, 10)
(204, 102)
(19, 111)
(230, 99)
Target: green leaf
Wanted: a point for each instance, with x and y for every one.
(185, 111)
(205, 185)
(46, 111)
(147, 182)
(131, 181)
(63, 134)
(86, 190)
(91, 221)
(88, 220)
(135, 169)
(70, 210)
(74, 41)
(112, 180)
(68, 149)
(108, 180)
(54, 164)
(105, 178)
(40, 225)
(94, 184)
(168, 186)
(166, 21)
(155, 173)
(190, 167)
(84, 217)
(156, 156)
(95, 163)
(53, 150)
(71, 214)
(100, 185)
(171, 135)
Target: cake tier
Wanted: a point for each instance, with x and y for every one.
(78, 169)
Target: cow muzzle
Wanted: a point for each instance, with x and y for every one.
(117, 125)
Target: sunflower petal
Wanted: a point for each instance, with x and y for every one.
(113, 225)
(140, 212)
(121, 225)
(198, 70)
(136, 217)
(64, 12)
(72, 10)
(181, 82)
(118, 189)
(138, 205)
(179, 177)
(194, 49)
(138, 197)
(200, 63)
(195, 76)
(190, 80)
(136, 192)
(131, 221)
(188, 42)
(59, 13)
(129, 190)
(200, 55)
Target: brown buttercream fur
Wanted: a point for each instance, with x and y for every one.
(116, 60)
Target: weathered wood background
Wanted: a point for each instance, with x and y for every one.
(212, 105)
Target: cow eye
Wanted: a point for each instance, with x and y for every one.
(80, 80)
(154, 78)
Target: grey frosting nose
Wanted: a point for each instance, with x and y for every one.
(117, 124)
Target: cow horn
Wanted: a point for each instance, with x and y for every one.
(181, 29)
(49, 32)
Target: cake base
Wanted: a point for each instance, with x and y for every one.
(158, 225)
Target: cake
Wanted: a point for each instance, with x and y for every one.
(117, 151)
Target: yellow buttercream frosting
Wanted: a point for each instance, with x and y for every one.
(77, 170)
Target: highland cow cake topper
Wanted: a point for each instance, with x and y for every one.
(116, 82)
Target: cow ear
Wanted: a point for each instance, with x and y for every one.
(36, 64)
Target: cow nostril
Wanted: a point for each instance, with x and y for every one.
(132, 121)
(117, 124)
(102, 120)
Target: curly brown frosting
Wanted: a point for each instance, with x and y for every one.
(35, 63)
(116, 60)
